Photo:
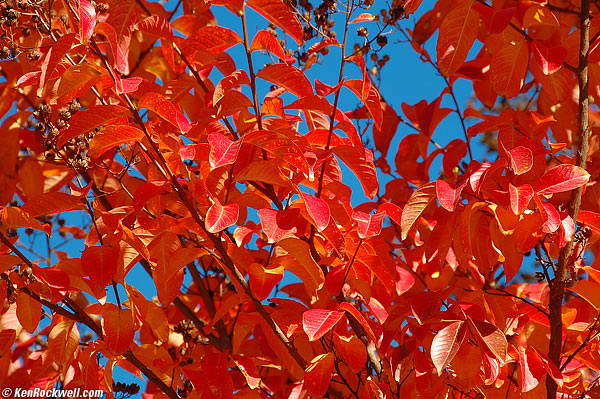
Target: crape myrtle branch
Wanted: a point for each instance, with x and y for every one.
(582, 142)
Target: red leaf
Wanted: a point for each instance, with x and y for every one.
(232, 81)
(317, 209)
(521, 159)
(520, 197)
(281, 15)
(262, 280)
(287, 76)
(220, 217)
(214, 39)
(29, 311)
(551, 216)
(278, 224)
(165, 109)
(371, 100)
(265, 40)
(418, 201)
(318, 375)
(100, 263)
(118, 329)
(54, 56)
(368, 225)
(57, 280)
(155, 27)
(315, 48)
(550, 59)
(317, 322)
(392, 211)
(405, 280)
(457, 34)
(50, 203)
(447, 195)
(363, 169)
(116, 55)
(147, 191)
(84, 122)
(493, 339)
(352, 349)
(508, 68)
(222, 150)
(562, 178)
(446, 343)
(532, 370)
(87, 20)
(495, 21)
(111, 136)
(279, 145)
(360, 318)
(364, 17)
(591, 220)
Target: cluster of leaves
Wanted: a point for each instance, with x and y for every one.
(142, 121)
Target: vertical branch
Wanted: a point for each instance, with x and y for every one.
(558, 287)
(251, 69)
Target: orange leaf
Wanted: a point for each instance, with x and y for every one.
(263, 280)
(29, 312)
(317, 322)
(457, 34)
(113, 135)
(281, 15)
(86, 121)
(165, 109)
(317, 375)
(100, 263)
(508, 68)
(418, 201)
(220, 217)
(446, 343)
(352, 349)
(118, 329)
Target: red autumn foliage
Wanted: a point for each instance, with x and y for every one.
(140, 138)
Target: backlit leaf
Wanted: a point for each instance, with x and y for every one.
(219, 217)
(118, 329)
(317, 209)
(318, 375)
(165, 109)
(279, 13)
(457, 34)
(111, 136)
(446, 343)
(521, 159)
(29, 311)
(562, 178)
(263, 280)
(368, 225)
(87, 20)
(287, 76)
(86, 121)
(520, 197)
(100, 263)
(509, 67)
(317, 322)
(222, 150)
(418, 201)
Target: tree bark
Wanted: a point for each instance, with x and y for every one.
(581, 142)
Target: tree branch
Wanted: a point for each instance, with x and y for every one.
(558, 287)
